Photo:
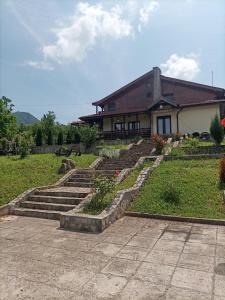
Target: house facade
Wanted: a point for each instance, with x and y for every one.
(154, 103)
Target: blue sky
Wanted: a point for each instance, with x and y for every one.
(63, 55)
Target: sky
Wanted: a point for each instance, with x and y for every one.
(62, 55)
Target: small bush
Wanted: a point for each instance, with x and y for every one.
(102, 185)
(194, 143)
(222, 170)
(158, 143)
(217, 130)
(171, 194)
(25, 142)
(88, 135)
(177, 152)
(109, 152)
(60, 138)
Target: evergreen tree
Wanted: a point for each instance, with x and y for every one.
(39, 137)
(69, 137)
(217, 130)
(60, 138)
(50, 138)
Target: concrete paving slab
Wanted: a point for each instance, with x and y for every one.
(133, 259)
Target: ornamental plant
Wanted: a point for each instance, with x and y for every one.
(158, 143)
(222, 170)
(217, 130)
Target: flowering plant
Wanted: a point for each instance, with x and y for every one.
(158, 143)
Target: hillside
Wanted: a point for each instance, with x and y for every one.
(25, 118)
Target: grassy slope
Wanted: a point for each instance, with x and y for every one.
(199, 189)
(18, 175)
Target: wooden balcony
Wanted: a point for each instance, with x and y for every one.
(125, 134)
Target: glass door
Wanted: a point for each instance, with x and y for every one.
(164, 125)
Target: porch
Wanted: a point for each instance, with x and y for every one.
(125, 134)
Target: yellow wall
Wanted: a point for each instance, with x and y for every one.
(169, 112)
(197, 118)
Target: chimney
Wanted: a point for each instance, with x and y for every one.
(156, 83)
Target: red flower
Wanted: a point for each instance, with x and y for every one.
(222, 122)
(117, 173)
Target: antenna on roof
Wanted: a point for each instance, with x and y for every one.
(212, 77)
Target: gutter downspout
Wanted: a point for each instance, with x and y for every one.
(178, 112)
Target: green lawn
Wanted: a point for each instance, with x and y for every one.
(198, 185)
(126, 184)
(17, 175)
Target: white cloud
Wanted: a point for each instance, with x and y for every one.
(93, 25)
(39, 65)
(146, 12)
(87, 26)
(183, 67)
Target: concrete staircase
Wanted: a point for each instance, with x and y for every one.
(49, 203)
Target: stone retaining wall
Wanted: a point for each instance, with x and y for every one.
(205, 150)
(76, 220)
(194, 157)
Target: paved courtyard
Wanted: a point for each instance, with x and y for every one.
(133, 259)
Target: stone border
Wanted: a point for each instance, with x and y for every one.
(176, 218)
(9, 208)
(76, 220)
(194, 156)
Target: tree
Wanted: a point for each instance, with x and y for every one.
(7, 120)
(48, 125)
(60, 138)
(88, 135)
(217, 130)
(50, 137)
(39, 137)
(25, 142)
(69, 137)
(76, 136)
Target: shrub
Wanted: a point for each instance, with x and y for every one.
(222, 170)
(25, 142)
(108, 152)
(217, 130)
(60, 138)
(50, 137)
(158, 143)
(102, 185)
(39, 137)
(171, 194)
(194, 143)
(177, 152)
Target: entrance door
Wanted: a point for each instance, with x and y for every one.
(164, 125)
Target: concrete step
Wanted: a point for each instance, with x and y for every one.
(55, 215)
(78, 184)
(62, 194)
(77, 179)
(47, 206)
(55, 199)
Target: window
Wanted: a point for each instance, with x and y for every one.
(119, 126)
(164, 125)
(111, 106)
(133, 126)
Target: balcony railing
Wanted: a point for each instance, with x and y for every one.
(124, 134)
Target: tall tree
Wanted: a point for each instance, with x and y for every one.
(7, 120)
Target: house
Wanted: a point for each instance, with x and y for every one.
(155, 103)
